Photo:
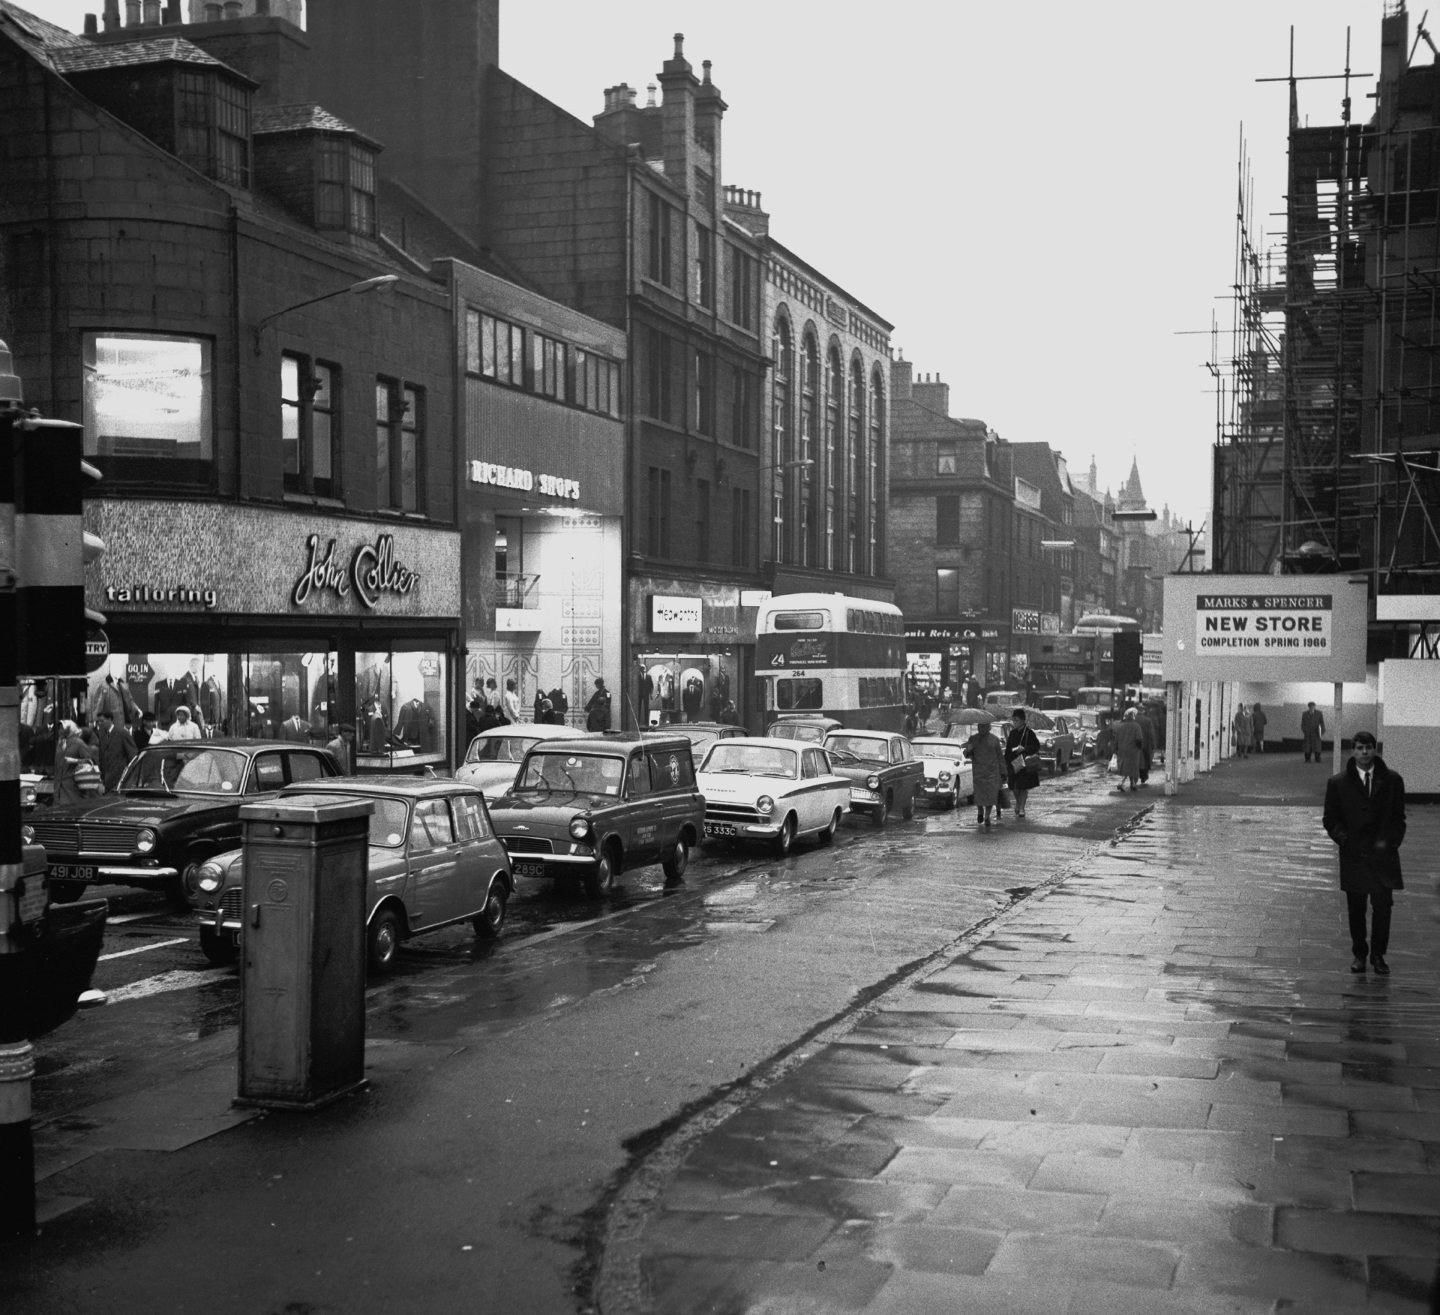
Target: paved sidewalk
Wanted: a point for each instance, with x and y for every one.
(1154, 1087)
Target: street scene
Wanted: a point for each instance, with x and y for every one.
(597, 716)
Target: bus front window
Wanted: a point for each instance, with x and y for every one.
(799, 695)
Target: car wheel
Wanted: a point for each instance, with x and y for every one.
(677, 860)
(66, 892)
(785, 841)
(491, 918)
(908, 811)
(601, 881)
(881, 813)
(217, 946)
(384, 939)
(827, 836)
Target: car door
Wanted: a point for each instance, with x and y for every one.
(814, 803)
(435, 893)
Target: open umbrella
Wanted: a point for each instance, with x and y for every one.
(971, 717)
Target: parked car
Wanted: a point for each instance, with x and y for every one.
(494, 755)
(701, 734)
(1086, 724)
(36, 791)
(1057, 740)
(949, 777)
(434, 860)
(813, 729)
(1055, 702)
(998, 702)
(592, 808)
(177, 805)
(771, 790)
(883, 770)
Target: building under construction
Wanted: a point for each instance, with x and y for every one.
(1328, 429)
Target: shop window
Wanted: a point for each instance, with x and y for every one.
(147, 408)
(309, 428)
(399, 426)
(400, 710)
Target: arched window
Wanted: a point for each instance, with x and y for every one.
(808, 484)
(834, 402)
(876, 451)
(855, 466)
(783, 445)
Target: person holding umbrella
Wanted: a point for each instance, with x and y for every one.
(987, 763)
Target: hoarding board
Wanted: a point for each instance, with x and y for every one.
(1264, 628)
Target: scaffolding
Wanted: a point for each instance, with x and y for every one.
(1328, 424)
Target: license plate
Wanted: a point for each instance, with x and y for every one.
(864, 796)
(71, 872)
(530, 869)
(719, 828)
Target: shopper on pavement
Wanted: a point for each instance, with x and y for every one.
(510, 701)
(1312, 727)
(1147, 742)
(182, 728)
(1257, 723)
(1365, 817)
(1129, 749)
(597, 708)
(1021, 743)
(113, 749)
(987, 762)
(70, 752)
(1243, 730)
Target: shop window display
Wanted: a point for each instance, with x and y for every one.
(400, 710)
(685, 687)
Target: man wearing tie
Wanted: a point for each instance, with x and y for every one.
(1365, 817)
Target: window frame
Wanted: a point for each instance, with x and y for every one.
(400, 428)
(303, 479)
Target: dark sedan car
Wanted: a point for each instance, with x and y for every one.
(434, 860)
(701, 734)
(591, 808)
(177, 805)
(883, 770)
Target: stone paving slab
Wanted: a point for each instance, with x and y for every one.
(1154, 1087)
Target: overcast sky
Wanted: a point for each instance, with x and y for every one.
(1040, 197)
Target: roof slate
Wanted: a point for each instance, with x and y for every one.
(86, 57)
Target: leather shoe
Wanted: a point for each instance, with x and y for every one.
(1357, 965)
(1380, 966)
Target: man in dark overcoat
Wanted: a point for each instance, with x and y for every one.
(1365, 817)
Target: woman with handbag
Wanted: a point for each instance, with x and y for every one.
(1022, 759)
(74, 766)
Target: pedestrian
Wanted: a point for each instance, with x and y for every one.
(182, 728)
(1105, 737)
(1147, 742)
(1129, 749)
(113, 749)
(1257, 724)
(342, 748)
(1312, 727)
(510, 701)
(71, 752)
(148, 732)
(543, 708)
(597, 709)
(492, 701)
(474, 711)
(1365, 817)
(987, 764)
(1022, 759)
(729, 714)
(1243, 730)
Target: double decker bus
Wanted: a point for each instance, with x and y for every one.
(827, 655)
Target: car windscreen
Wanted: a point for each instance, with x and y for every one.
(498, 749)
(861, 746)
(940, 748)
(750, 759)
(571, 772)
(188, 769)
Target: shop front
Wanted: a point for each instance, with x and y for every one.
(693, 653)
(967, 657)
(278, 624)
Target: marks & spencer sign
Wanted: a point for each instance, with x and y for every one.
(371, 573)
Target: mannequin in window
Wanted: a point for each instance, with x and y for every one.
(374, 724)
(295, 729)
(415, 725)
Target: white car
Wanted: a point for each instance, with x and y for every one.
(949, 778)
(771, 791)
(494, 755)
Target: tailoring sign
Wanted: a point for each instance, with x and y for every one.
(1264, 628)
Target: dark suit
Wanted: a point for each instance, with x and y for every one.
(1368, 828)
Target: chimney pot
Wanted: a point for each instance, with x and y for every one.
(112, 15)
(705, 64)
(679, 45)
(650, 104)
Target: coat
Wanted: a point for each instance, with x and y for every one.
(987, 762)
(70, 751)
(1312, 727)
(1258, 720)
(1244, 730)
(1018, 743)
(1367, 829)
(597, 710)
(1130, 747)
(113, 750)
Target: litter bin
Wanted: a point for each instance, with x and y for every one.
(302, 977)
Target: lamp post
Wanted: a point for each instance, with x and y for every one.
(377, 284)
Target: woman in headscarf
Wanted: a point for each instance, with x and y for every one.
(70, 751)
(1130, 749)
(987, 764)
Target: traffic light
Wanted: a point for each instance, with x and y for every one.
(1127, 657)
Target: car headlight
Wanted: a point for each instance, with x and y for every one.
(944, 778)
(27, 796)
(145, 840)
(579, 828)
(27, 834)
(872, 782)
(765, 805)
(208, 877)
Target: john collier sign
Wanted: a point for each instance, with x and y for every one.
(372, 572)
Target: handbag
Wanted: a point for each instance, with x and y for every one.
(1002, 799)
(88, 779)
(1114, 763)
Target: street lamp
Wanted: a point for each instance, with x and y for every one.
(1144, 514)
(377, 284)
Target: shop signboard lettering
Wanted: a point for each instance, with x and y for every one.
(1287, 625)
(525, 481)
(371, 573)
(953, 632)
(1024, 621)
(674, 615)
(119, 595)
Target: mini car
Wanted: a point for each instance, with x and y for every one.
(814, 729)
(771, 790)
(948, 774)
(593, 807)
(177, 804)
(434, 860)
(701, 734)
(883, 771)
(494, 755)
